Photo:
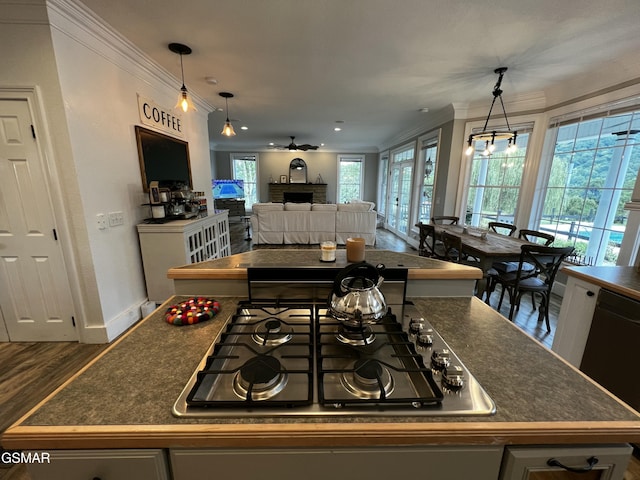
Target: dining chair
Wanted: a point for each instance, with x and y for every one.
(429, 245)
(452, 245)
(546, 261)
(502, 228)
(535, 236)
(445, 220)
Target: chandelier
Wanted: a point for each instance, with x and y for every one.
(490, 136)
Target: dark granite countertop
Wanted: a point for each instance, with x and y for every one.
(235, 266)
(124, 398)
(622, 280)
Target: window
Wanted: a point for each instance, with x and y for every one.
(428, 157)
(245, 167)
(593, 171)
(495, 182)
(350, 177)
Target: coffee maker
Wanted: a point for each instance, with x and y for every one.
(172, 199)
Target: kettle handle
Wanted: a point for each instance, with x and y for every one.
(364, 269)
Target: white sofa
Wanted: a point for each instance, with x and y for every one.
(295, 223)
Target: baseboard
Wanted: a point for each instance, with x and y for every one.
(117, 325)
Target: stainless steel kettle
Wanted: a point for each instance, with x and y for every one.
(356, 298)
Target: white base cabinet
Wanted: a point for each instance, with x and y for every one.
(103, 465)
(533, 463)
(574, 321)
(177, 243)
(424, 463)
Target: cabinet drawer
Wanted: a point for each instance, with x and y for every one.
(424, 463)
(532, 463)
(102, 464)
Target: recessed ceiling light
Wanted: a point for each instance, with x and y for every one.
(336, 129)
(211, 80)
(424, 110)
(244, 127)
(271, 144)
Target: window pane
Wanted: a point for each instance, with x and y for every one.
(594, 169)
(245, 168)
(494, 185)
(349, 179)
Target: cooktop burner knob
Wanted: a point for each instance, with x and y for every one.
(440, 359)
(425, 338)
(453, 377)
(416, 325)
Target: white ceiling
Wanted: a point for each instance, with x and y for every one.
(298, 66)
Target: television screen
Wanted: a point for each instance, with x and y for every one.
(228, 189)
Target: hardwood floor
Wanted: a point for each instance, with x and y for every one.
(30, 371)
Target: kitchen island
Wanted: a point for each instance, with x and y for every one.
(121, 402)
(427, 277)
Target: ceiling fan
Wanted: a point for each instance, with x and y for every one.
(292, 146)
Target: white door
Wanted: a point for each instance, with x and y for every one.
(399, 198)
(35, 297)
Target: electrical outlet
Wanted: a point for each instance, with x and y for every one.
(102, 221)
(116, 218)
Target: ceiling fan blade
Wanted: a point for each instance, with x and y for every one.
(306, 147)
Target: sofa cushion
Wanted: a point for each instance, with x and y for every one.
(355, 207)
(296, 227)
(297, 207)
(266, 207)
(324, 207)
(355, 200)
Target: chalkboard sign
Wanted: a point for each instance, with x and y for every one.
(162, 158)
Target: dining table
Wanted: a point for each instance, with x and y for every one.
(486, 247)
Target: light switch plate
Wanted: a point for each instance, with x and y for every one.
(116, 218)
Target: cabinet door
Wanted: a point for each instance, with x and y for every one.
(574, 321)
(224, 247)
(543, 463)
(428, 463)
(102, 464)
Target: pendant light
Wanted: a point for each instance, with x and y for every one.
(183, 100)
(490, 136)
(227, 130)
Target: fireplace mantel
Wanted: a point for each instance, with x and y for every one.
(277, 190)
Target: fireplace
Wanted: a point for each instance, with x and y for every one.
(298, 197)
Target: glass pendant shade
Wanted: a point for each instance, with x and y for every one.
(227, 130)
(184, 102)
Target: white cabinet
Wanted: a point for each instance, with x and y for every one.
(425, 463)
(601, 462)
(574, 321)
(102, 465)
(180, 242)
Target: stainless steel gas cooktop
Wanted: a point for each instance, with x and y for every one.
(293, 359)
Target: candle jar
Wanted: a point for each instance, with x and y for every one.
(355, 249)
(328, 252)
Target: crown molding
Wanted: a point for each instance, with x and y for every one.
(83, 26)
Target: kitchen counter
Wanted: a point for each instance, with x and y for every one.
(622, 280)
(228, 275)
(123, 398)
